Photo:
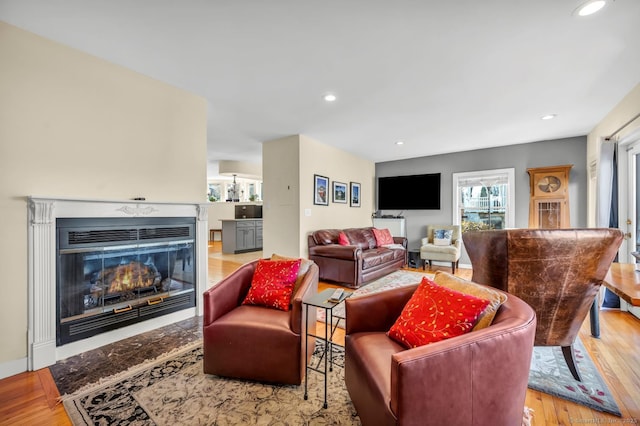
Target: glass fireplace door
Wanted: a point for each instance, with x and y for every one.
(101, 287)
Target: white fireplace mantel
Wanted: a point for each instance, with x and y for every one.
(42, 215)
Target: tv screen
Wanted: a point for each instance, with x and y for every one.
(414, 192)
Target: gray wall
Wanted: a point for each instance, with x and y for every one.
(521, 157)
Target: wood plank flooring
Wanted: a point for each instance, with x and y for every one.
(30, 398)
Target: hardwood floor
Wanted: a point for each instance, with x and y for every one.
(30, 398)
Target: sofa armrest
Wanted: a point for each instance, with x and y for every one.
(228, 293)
(377, 311)
(402, 241)
(336, 251)
(308, 287)
(458, 371)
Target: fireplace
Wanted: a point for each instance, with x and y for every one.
(118, 271)
(103, 270)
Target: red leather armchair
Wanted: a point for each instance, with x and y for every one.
(477, 379)
(254, 342)
(556, 271)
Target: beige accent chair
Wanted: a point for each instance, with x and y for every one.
(450, 253)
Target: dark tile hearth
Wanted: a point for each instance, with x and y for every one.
(72, 373)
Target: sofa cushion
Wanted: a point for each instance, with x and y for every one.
(379, 256)
(435, 313)
(363, 238)
(450, 249)
(383, 237)
(326, 236)
(272, 283)
(469, 287)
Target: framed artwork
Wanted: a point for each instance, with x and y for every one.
(355, 194)
(320, 190)
(339, 192)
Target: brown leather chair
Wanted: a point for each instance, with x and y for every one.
(477, 379)
(255, 342)
(558, 272)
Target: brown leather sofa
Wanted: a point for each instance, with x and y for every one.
(254, 342)
(556, 271)
(355, 264)
(477, 379)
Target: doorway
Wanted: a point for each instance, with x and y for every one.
(629, 199)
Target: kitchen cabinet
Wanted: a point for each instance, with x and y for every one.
(241, 235)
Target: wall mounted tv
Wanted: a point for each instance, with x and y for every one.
(414, 192)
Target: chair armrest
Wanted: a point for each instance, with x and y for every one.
(424, 241)
(228, 293)
(377, 311)
(336, 251)
(308, 287)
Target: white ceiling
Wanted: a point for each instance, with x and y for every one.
(442, 76)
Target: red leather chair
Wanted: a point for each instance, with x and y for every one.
(477, 379)
(255, 342)
(556, 271)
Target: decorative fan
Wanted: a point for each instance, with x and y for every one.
(549, 184)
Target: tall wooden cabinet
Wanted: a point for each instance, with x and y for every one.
(549, 197)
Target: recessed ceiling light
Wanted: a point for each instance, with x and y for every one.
(548, 117)
(589, 7)
(330, 97)
(399, 143)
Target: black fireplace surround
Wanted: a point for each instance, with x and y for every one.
(113, 272)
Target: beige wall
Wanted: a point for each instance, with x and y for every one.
(341, 166)
(72, 125)
(281, 191)
(628, 108)
(289, 213)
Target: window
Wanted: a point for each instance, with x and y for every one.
(214, 192)
(484, 199)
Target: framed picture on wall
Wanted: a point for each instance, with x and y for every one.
(339, 192)
(355, 194)
(320, 190)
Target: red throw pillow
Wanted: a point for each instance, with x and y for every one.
(383, 237)
(343, 240)
(272, 283)
(435, 313)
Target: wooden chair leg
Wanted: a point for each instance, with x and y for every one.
(453, 268)
(569, 357)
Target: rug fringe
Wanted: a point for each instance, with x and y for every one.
(527, 416)
(88, 388)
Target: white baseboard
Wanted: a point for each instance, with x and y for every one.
(11, 368)
(633, 310)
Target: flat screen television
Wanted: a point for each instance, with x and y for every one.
(413, 192)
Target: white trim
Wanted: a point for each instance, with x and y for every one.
(628, 146)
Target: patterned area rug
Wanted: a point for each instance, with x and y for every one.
(173, 390)
(549, 374)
